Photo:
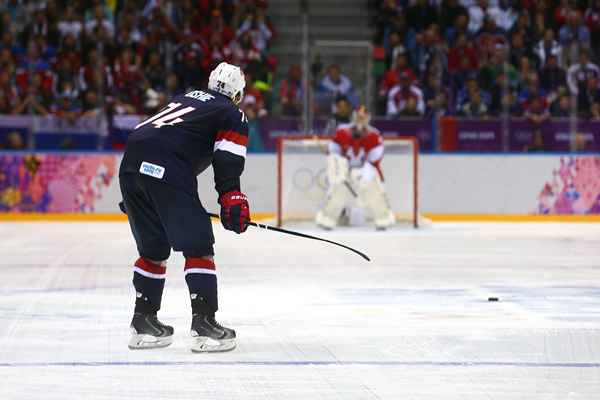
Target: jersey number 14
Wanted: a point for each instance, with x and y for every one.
(168, 116)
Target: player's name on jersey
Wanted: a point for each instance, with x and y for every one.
(200, 95)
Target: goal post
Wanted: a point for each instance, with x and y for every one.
(302, 177)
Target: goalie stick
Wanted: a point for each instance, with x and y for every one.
(304, 235)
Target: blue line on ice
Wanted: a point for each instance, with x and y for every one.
(307, 363)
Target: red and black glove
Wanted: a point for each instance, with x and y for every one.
(235, 211)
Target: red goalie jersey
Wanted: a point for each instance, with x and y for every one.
(358, 145)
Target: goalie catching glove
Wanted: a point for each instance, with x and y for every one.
(235, 211)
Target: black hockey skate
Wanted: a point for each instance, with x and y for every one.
(147, 332)
(210, 336)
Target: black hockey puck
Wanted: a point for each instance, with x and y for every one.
(492, 299)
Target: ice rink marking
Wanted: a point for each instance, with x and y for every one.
(464, 364)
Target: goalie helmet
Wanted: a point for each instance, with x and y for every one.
(228, 80)
(361, 117)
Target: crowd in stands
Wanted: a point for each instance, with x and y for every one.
(477, 58)
(82, 57)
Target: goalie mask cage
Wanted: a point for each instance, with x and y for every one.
(302, 177)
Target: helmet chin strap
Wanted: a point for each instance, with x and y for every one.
(237, 99)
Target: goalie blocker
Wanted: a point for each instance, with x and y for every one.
(353, 170)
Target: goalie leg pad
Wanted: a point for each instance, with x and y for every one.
(336, 200)
(372, 195)
(337, 169)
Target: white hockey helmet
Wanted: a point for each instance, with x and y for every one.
(228, 80)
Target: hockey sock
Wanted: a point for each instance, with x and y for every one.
(149, 282)
(201, 279)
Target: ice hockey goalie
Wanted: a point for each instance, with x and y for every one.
(354, 174)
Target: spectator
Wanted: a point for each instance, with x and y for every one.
(436, 96)
(588, 96)
(217, 26)
(475, 106)
(450, 10)
(518, 49)
(579, 74)
(592, 20)
(459, 27)
(392, 76)
(341, 115)
(96, 74)
(253, 103)
(504, 15)
(99, 20)
(245, 53)
(537, 113)
(574, 36)
(467, 91)
(532, 90)
(490, 37)
(405, 97)
(546, 47)
(429, 50)
(259, 31)
(553, 78)
(561, 107)
(35, 100)
(337, 84)
(561, 13)
(70, 24)
(91, 104)
(155, 71)
(5, 106)
(462, 50)
(477, 14)
(421, 15)
(394, 49)
(14, 141)
(291, 92)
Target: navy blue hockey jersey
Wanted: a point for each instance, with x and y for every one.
(193, 131)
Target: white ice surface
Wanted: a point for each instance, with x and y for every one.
(313, 321)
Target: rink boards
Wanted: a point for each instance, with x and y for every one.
(450, 186)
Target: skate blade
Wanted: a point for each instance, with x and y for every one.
(203, 344)
(141, 341)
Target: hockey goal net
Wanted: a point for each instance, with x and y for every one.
(302, 178)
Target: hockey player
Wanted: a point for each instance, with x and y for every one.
(354, 170)
(164, 154)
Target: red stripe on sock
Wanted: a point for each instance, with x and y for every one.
(199, 262)
(148, 266)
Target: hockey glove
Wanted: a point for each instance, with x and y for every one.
(235, 211)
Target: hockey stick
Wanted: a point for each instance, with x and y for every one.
(304, 235)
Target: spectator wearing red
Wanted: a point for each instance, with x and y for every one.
(96, 74)
(392, 76)
(561, 13)
(463, 49)
(245, 52)
(403, 95)
(291, 92)
(217, 25)
(31, 66)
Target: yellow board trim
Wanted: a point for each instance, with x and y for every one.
(513, 218)
(83, 217)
